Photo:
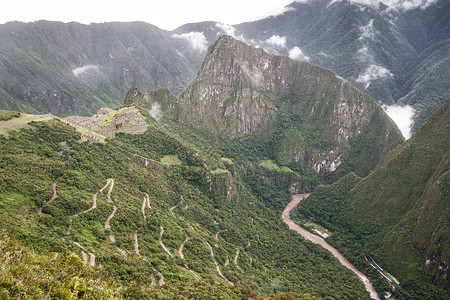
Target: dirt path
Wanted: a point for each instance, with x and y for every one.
(217, 266)
(148, 201)
(54, 196)
(226, 263)
(161, 243)
(85, 257)
(161, 278)
(180, 251)
(110, 180)
(107, 226)
(236, 258)
(320, 241)
(143, 209)
(152, 276)
(92, 259)
(171, 210)
(136, 245)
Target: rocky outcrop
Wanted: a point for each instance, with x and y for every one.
(309, 114)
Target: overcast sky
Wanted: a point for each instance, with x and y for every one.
(166, 14)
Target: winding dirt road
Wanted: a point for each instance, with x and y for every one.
(217, 265)
(320, 241)
(161, 243)
(136, 244)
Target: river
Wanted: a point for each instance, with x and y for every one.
(320, 241)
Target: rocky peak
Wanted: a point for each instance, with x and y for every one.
(241, 89)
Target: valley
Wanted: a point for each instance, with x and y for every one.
(133, 166)
(321, 241)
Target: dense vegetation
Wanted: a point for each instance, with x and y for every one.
(398, 214)
(188, 190)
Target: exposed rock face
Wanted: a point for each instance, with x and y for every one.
(313, 114)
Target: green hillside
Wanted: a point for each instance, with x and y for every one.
(399, 213)
(144, 210)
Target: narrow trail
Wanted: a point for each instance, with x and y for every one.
(320, 241)
(217, 266)
(136, 245)
(161, 278)
(161, 243)
(108, 220)
(85, 257)
(143, 209)
(148, 201)
(180, 250)
(251, 261)
(180, 253)
(226, 263)
(92, 259)
(152, 276)
(107, 226)
(236, 258)
(54, 196)
(171, 210)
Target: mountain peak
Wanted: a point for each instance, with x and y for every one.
(243, 90)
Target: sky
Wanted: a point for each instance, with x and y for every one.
(166, 14)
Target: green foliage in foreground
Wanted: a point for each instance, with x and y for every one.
(186, 199)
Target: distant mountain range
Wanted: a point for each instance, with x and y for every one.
(395, 56)
(186, 191)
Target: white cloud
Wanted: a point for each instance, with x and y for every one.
(255, 75)
(397, 4)
(229, 29)
(367, 32)
(85, 68)
(156, 112)
(364, 55)
(373, 72)
(296, 53)
(197, 40)
(276, 40)
(402, 116)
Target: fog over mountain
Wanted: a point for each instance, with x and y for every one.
(396, 51)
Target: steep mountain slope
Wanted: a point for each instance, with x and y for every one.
(399, 213)
(72, 68)
(306, 117)
(375, 47)
(148, 207)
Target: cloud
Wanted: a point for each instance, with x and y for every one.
(155, 111)
(367, 32)
(373, 72)
(276, 40)
(83, 69)
(197, 40)
(396, 4)
(402, 116)
(229, 29)
(255, 75)
(296, 53)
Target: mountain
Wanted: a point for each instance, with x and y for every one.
(399, 213)
(70, 68)
(147, 193)
(393, 54)
(304, 116)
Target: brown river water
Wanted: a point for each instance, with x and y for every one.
(320, 241)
